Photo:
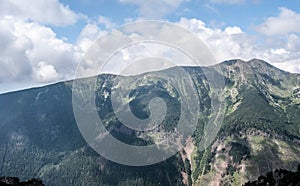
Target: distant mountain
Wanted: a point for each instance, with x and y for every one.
(260, 131)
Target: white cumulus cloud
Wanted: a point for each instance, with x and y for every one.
(31, 52)
(88, 35)
(232, 42)
(45, 11)
(286, 22)
(45, 73)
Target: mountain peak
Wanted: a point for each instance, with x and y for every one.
(252, 62)
(255, 64)
(232, 62)
(259, 62)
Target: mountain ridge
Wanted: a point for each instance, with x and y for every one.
(260, 131)
(226, 62)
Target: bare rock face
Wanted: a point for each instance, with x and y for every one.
(14, 181)
(278, 177)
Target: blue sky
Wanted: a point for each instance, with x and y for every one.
(214, 13)
(44, 42)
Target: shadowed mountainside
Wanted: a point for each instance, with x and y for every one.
(260, 132)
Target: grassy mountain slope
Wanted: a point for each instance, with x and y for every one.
(260, 132)
(261, 129)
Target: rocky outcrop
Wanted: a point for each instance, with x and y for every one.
(14, 181)
(278, 177)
